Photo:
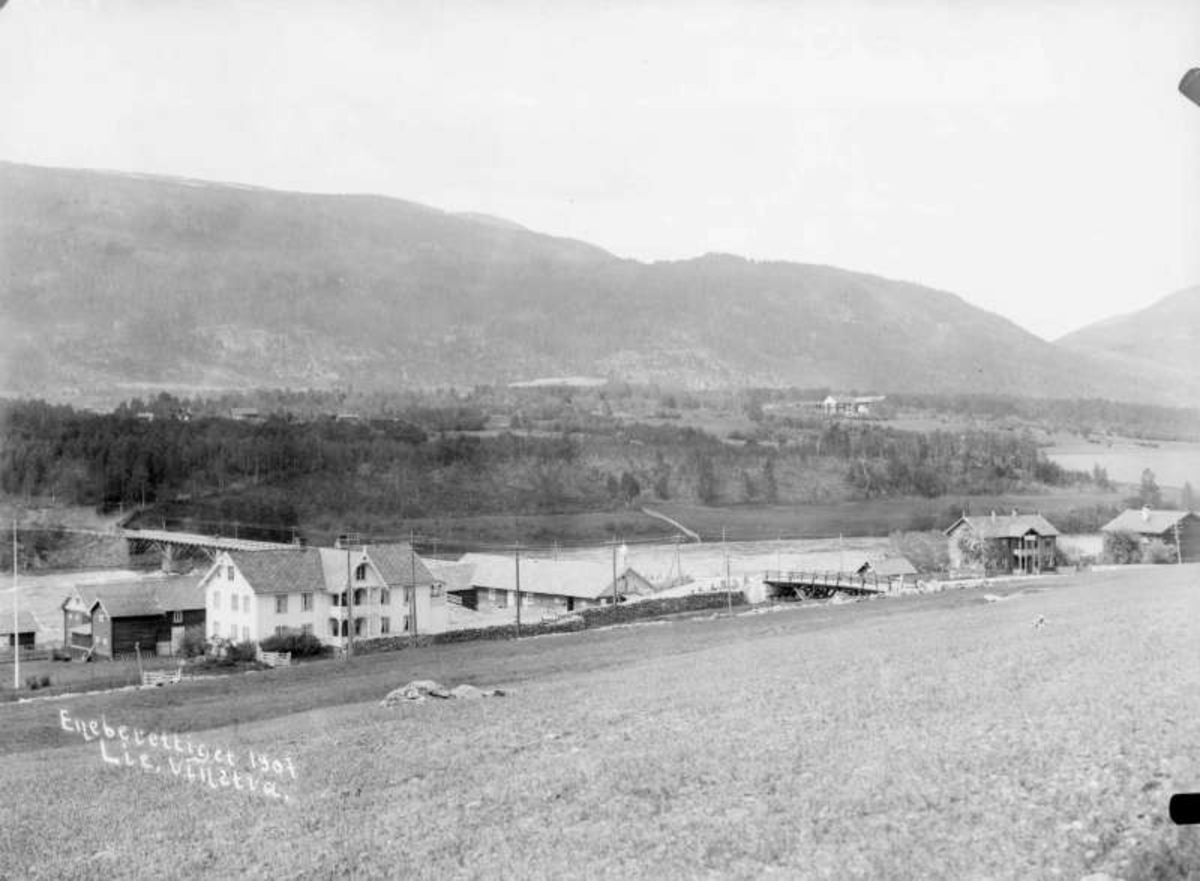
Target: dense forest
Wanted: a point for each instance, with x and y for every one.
(282, 471)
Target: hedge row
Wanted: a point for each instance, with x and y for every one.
(600, 616)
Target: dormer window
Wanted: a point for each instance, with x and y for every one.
(360, 573)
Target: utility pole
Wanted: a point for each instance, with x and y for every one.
(1178, 548)
(728, 586)
(614, 555)
(412, 604)
(16, 628)
(349, 607)
(517, 557)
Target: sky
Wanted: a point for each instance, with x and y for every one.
(1035, 158)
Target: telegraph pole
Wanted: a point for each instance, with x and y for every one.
(517, 557)
(16, 627)
(728, 588)
(412, 604)
(614, 549)
(349, 606)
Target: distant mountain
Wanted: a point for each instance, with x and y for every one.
(1162, 340)
(124, 282)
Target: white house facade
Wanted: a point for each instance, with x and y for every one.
(331, 593)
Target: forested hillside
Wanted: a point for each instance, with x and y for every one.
(272, 479)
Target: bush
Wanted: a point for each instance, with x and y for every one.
(33, 683)
(301, 645)
(1157, 551)
(243, 651)
(1122, 548)
(193, 643)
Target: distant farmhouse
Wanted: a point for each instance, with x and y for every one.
(850, 407)
(1016, 543)
(547, 586)
(1178, 530)
(378, 590)
(121, 618)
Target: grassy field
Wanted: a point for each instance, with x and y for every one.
(929, 736)
(870, 517)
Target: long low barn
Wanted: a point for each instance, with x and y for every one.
(548, 586)
(151, 616)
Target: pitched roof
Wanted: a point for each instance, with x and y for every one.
(456, 575)
(569, 578)
(399, 565)
(1146, 521)
(1005, 526)
(293, 570)
(306, 570)
(158, 596)
(888, 566)
(26, 623)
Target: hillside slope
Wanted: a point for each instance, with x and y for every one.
(1163, 338)
(123, 281)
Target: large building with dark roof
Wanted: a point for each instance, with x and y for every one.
(150, 616)
(1002, 544)
(1178, 530)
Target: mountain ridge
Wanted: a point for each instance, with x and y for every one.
(120, 280)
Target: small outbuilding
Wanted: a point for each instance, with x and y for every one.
(25, 634)
(546, 586)
(1178, 530)
(898, 572)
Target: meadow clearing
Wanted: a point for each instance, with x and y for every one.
(937, 735)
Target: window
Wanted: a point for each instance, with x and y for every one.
(406, 625)
(501, 599)
(385, 597)
(281, 604)
(385, 625)
(233, 602)
(306, 629)
(360, 572)
(101, 617)
(177, 618)
(333, 627)
(436, 589)
(245, 633)
(280, 630)
(233, 631)
(359, 624)
(229, 573)
(216, 599)
(306, 602)
(360, 597)
(216, 629)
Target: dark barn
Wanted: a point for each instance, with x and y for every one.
(150, 616)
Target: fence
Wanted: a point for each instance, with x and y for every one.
(162, 677)
(275, 659)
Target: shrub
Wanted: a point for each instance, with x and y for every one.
(33, 683)
(1122, 548)
(1157, 551)
(301, 645)
(193, 643)
(243, 651)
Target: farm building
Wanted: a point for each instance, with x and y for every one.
(27, 630)
(150, 616)
(1020, 543)
(1178, 530)
(852, 407)
(896, 571)
(379, 590)
(547, 586)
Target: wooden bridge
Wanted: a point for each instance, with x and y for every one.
(174, 544)
(823, 585)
